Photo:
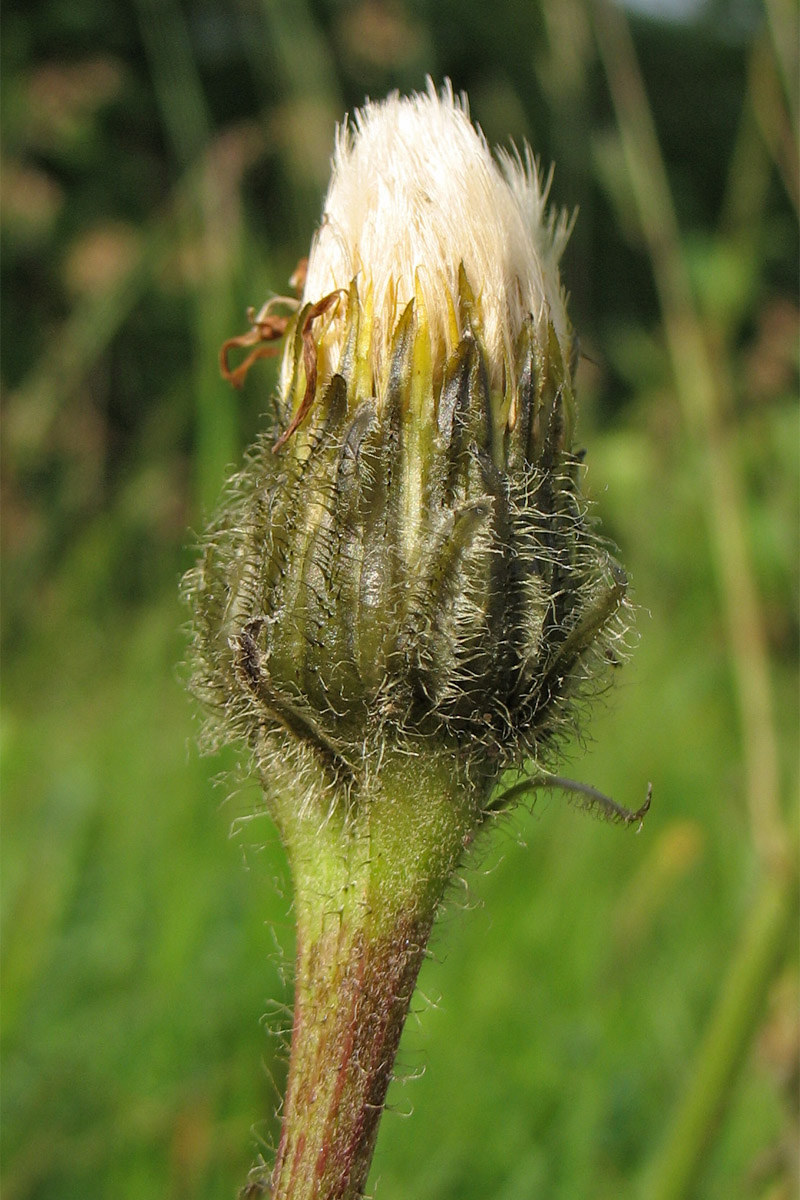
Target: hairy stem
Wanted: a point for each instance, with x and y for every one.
(368, 879)
(352, 998)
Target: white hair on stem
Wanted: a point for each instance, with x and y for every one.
(415, 193)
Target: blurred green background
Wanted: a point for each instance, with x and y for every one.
(604, 1014)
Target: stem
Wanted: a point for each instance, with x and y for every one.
(352, 998)
(368, 879)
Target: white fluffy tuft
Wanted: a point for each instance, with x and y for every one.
(415, 192)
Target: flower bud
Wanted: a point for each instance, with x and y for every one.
(405, 557)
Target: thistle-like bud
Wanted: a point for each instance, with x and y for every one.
(402, 596)
(405, 554)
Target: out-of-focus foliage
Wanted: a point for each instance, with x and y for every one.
(163, 165)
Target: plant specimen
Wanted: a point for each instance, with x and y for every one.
(401, 598)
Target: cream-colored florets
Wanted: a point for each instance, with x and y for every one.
(415, 193)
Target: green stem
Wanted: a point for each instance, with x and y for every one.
(368, 879)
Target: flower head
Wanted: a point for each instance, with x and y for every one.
(410, 558)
